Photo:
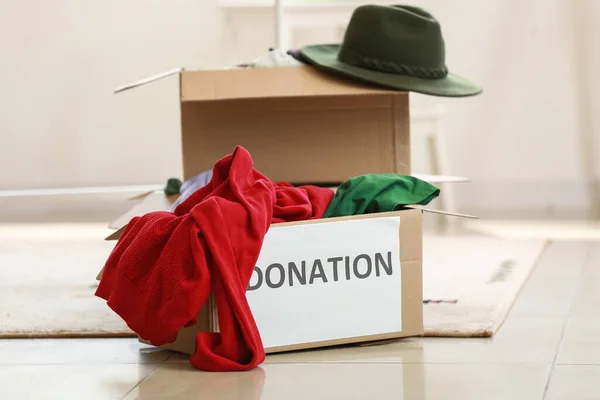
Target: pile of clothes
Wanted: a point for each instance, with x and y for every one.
(166, 264)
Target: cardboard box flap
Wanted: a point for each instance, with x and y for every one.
(431, 210)
(148, 79)
(153, 201)
(301, 81)
(141, 196)
(435, 179)
(116, 234)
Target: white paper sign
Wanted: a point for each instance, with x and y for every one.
(328, 281)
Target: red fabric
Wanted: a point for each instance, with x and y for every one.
(159, 274)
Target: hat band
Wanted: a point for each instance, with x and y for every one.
(390, 67)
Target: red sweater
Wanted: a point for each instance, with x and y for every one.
(159, 274)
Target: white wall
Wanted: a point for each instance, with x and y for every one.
(60, 124)
(528, 141)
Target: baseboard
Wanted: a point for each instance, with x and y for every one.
(486, 199)
(530, 214)
(535, 199)
(68, 205)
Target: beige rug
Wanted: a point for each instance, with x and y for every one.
(471, 282)
(47, 282)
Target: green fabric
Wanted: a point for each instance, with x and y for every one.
(173, 186)
(396, 47)
(373, 193)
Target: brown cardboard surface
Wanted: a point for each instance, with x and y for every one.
(410, 237)
(319, 140)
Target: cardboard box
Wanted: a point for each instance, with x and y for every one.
(345, 280)
(299, 124)
(332, 281)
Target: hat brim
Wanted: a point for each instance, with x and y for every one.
(325, 57)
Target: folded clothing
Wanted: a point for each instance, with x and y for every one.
(374, 193)
(159, 274)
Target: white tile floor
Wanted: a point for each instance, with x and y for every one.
(548, 348)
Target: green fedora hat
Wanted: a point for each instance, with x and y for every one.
(396, 47)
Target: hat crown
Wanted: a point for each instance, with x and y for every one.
(400, 39)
